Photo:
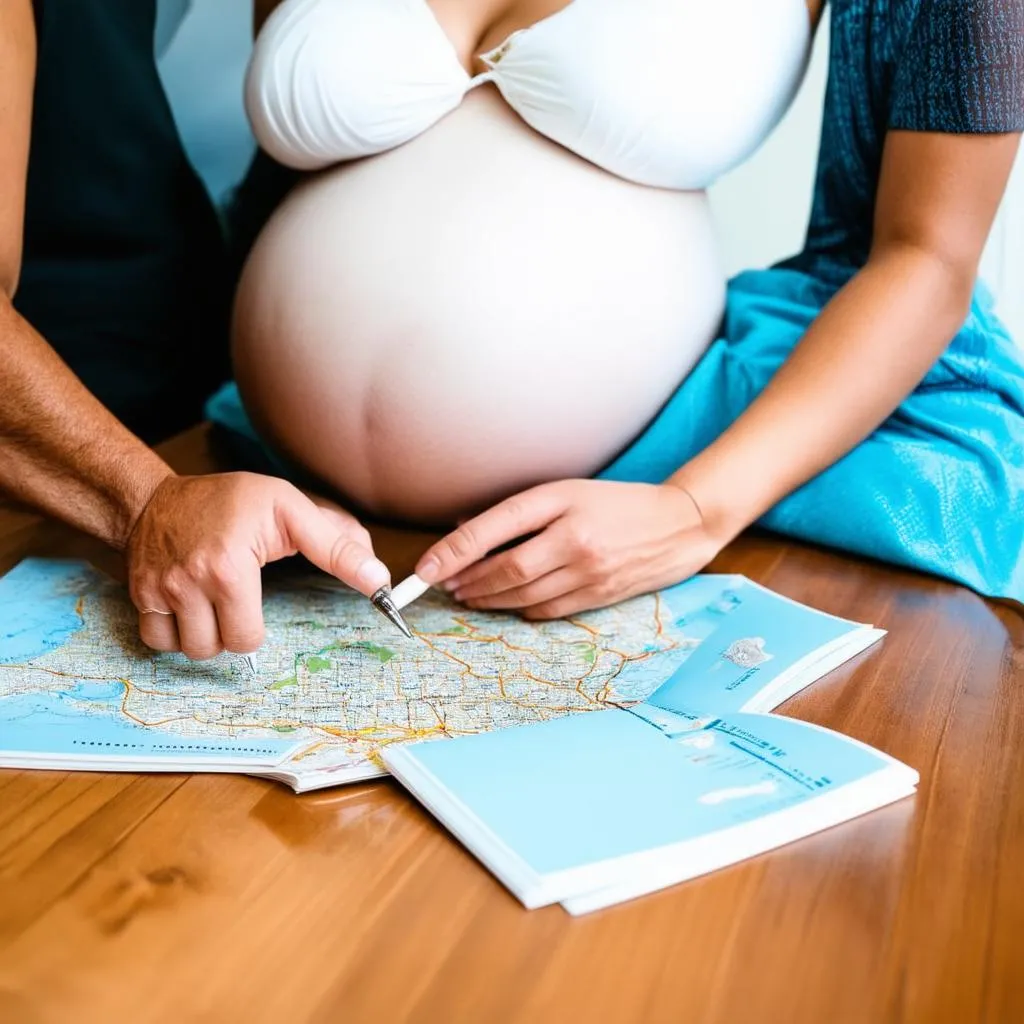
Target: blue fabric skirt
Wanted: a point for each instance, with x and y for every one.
(938, 487)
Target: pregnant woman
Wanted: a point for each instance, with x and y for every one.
(522, 270)
(862, 394)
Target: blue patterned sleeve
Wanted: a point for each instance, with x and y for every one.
(961, 69)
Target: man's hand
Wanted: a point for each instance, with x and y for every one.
(596, 543)
(195, 554)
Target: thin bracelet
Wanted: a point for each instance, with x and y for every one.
(686, 491)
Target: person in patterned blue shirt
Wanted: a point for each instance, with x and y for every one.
(862, 394)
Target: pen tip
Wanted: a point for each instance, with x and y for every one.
(386, 606)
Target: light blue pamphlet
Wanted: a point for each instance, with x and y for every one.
(749, 639)
(577, 791)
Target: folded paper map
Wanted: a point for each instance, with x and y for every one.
(335, 683)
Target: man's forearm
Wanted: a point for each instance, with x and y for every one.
(867, 350)
(61, 451)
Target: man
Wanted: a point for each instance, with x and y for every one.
(114, 295)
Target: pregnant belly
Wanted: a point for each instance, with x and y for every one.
(477, 311)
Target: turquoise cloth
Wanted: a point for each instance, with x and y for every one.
(938, 487)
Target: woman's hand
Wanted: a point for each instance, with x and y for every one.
(596, 543)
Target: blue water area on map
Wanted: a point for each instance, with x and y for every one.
(56, 724)
(99, 692)
(39, 602)
(46, 709)
(39, 607)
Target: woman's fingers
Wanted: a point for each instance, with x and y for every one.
(525, 513)
(542, 591)
(565, 605)
(512, 569)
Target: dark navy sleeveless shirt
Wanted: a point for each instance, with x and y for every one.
(124, 269)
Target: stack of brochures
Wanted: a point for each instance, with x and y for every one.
(591, 810)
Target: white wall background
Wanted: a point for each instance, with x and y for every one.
(762, 207)
(1003, 264)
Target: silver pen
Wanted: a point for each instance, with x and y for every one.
(391, 602)
(384, 603)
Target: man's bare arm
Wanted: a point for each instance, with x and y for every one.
(60, 449)
(194, 545)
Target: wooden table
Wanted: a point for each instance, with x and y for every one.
(173, 898)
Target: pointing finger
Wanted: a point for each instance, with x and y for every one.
(525, 513)
(335, 547)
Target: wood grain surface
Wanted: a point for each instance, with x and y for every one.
(206, 898)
